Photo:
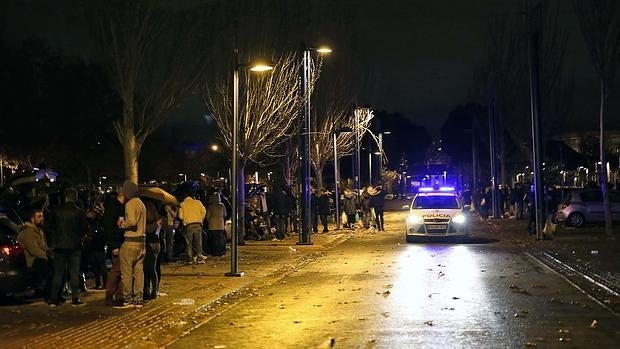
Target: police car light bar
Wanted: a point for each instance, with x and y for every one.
(429, 189)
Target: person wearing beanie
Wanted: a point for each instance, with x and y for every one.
(133, 247)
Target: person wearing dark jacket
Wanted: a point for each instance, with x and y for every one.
(154, 227)
(377, 200)
(323, 203)
(69, 228)
(114, 208)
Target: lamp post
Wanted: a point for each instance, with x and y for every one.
(336, 175)
(306, 76)
(234, 260)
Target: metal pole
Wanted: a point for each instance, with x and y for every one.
(357, 150)
(369, 167)
(535, 106)
(492, 149)
(1, 171)
(235, 195)
(336, 178)
(380, 158)
(473, 159)
(304, 237)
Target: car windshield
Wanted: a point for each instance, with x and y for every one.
(435, 202)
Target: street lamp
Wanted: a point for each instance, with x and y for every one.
(336, 175)
(234, 262)
(306, 75)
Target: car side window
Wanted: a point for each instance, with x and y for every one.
(592, 196)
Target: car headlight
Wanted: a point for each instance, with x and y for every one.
(459, 219)
(413, 219)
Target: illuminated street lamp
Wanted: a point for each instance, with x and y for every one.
(306, 74)
(259, 67)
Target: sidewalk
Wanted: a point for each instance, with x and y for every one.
(193, 291)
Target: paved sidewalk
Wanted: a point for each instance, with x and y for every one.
(194, 293)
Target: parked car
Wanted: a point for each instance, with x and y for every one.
(14, 276)
(586, 206)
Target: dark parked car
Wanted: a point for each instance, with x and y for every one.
(14, 276)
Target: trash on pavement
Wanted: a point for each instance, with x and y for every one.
(184, 301)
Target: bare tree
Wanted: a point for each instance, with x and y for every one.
(600, 28)
(269, 112)
(156, 57)
(336, 115)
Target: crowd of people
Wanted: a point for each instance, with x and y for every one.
(514, 202)
(121, 238)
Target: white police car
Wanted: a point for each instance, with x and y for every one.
(436, 212)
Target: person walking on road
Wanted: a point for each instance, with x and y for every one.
(154, 227)
(133, 248)
(192, 213)
(172, 212)
(70, 225)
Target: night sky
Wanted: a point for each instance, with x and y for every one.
(418, 56)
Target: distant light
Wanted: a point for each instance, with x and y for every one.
(324, 50)
(181, 174)
(439, 149)
(377, 153)
(387, 132)
(215, 147)
(261, 67)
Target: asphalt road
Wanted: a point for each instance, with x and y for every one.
(376, 291)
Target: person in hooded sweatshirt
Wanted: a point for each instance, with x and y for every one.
(216, 211)
(133, 247)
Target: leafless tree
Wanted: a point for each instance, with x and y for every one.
(502, 77)
(334, 115)
(600, 28)
(156, 57)
(269, 112)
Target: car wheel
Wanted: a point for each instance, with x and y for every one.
(575, 220)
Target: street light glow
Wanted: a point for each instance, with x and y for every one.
(259, 67)
(215, 147)
(324, 50)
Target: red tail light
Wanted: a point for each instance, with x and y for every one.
(11, 250)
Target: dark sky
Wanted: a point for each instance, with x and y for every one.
(420, 54)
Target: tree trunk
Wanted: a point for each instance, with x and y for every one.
(603, 169)
(131, 151)
(318, 172)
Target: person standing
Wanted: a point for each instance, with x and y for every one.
(172, 212)
(132, 250)
(349, 206)
(378, 202)
(192, 213)
(154, 227)
(38, 254)
(69, 226)
(215, 226)
(114, 209)
(323, 204)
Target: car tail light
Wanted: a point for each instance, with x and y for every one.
(11, 250)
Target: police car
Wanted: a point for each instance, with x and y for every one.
(436, 212)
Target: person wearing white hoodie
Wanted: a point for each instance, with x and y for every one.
(133, 248)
